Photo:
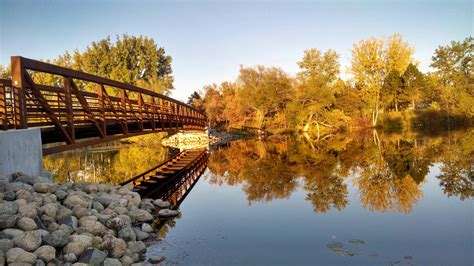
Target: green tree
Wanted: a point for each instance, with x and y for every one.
(413, 83)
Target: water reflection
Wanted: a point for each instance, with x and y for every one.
(388, 170)
(110, 163)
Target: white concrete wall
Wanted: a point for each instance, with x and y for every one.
(21, 151)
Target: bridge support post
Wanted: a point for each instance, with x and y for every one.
(21, 151)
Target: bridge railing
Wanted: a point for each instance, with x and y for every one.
(108, 108)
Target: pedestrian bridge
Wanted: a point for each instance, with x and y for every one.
(74, 109)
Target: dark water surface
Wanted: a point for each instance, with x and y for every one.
(366, 199)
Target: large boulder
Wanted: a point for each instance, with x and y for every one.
(162, 204)
(12, 232)
(46, 253)
(31, 180)
(49, 209)
(20, 256)
(28, 241)
(136, 247)
(115, 223)
(112, 262)
(15, 186)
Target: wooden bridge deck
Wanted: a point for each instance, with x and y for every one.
(186, 165)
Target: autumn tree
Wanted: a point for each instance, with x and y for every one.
(413, 83)
(454, 66)
(372, 61)
(265, 91)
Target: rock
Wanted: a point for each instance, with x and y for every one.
(97, 206)
(23, 194)
(94, 227)
(126, 260)
(162, 204)
(140, 234)
(141, 216)
(63, 212)
(12, 232)
(75, 200)
(3, 260)
(28, 210)
(31, 180)
(69, 221)
(8, 208)
(28, 241)
(78, 244)
(44, 187)
(107, 199)
(39, 263)
(66, 228)
(61, 194)
(15, 186)
(5, 245)
(9, 195)
(112, 262)
(7, 221)
(147, 228)
(70, 257)
(18, 255)
(156, 259)
(127, 234)
(56, 239)
(49, 209)
(80, 212)
(115, 223)
(166, 213)
(136, 246)
(115, 246)
(26, 224)
(53, 226)
(92, 256)
(46, 253)
(90, 188)
(147, 205)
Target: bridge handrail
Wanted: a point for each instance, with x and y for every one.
(26, 63)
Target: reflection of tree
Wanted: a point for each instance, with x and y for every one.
(457, 170)
(110, 163)
(326, 193)
(382, 190)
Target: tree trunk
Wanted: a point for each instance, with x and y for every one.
(396, 106)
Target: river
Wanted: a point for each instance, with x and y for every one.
(358, 199)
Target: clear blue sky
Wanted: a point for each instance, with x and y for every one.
(209, 40)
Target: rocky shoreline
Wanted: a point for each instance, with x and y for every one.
(42, 223)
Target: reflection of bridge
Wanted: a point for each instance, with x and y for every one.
(67, 113)
(173, 179)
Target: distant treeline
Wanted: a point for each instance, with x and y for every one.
(386, 88)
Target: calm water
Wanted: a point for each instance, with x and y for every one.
(367, 199)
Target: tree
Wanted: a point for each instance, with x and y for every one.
(454, 66)
(413, 82)
(265, 91)
(392, 90)
(132, 60)
(213, 103)
(372, 61)
(5, 72)
(194, 99)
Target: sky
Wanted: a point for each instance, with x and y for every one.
(210, 40)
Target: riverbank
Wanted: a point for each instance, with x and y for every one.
(198, 139)
(75, 223)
